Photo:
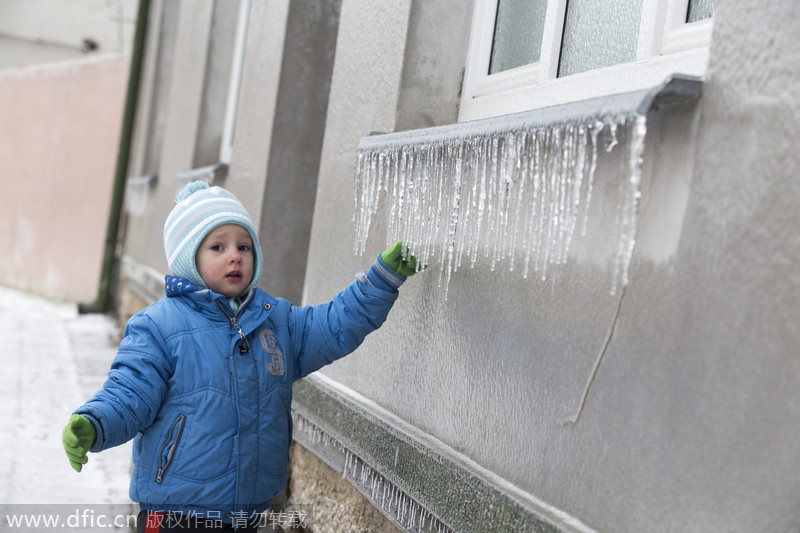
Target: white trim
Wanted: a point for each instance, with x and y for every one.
(477, 80)
(651, 28)
(235, 82)
(688, 37)
(592, 84)
(667, 45)
(678, 35)
(551, 38)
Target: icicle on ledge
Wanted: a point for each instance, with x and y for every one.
(512, 189)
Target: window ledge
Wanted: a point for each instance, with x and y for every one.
(677, 88)
(511, 188)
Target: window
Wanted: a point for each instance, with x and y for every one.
(526, 54)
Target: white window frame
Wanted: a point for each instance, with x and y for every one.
(667, 45)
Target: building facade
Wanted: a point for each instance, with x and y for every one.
(605, 338)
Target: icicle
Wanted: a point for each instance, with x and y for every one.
(506, 195)
(596, 128)
(630, 204)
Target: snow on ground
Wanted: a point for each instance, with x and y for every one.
(52, 360)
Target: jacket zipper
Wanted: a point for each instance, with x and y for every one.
(244, 347)
(172, 443)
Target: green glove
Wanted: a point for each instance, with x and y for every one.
(77, 437)
(392, 256)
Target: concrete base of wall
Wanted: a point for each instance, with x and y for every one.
(419, 483)
(139, 286)
(334, 503)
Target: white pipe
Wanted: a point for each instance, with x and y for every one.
(232, 103)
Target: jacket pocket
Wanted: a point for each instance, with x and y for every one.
(167, 451)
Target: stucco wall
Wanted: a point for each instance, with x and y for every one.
(59, 137)
(690, 420)
(279, 122)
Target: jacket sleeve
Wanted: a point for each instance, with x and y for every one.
(135, 388)
(326, 332)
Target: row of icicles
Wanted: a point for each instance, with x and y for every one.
(514, 197)
(404, 511)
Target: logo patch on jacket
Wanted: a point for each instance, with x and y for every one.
(275, 366)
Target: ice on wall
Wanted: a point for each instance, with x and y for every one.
(404, 511)
(510, 198)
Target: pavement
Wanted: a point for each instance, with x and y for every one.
(54, 359)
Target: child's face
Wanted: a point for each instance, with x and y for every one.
(225, 260)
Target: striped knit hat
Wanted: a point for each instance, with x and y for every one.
(199, 210)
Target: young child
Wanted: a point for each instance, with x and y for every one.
(203, 378)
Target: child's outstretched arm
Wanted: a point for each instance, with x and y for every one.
(325, 332)
(129, 398)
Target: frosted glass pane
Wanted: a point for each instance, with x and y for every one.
(517, 34)
(599, 33)
(700, 10)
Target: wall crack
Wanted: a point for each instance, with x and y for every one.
(574, 418)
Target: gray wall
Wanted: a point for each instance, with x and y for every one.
(298, 128)
(171, 112)
(690, 422)
(669, 406)
(280, 120)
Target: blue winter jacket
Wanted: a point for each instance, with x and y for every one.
(206, 394)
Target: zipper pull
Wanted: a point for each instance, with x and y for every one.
(243, 347)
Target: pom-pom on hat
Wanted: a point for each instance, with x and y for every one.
(199, 210)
